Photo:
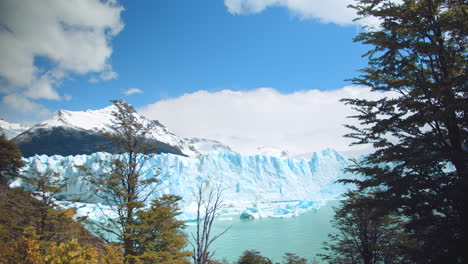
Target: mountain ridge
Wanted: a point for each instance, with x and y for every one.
(80, 132)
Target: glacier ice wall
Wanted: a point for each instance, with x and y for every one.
(252, 185)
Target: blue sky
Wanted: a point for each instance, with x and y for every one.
(173, 47)
(174, 50)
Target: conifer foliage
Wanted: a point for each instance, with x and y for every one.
(365, 236)
(419, 169)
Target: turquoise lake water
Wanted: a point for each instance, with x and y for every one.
(273, 237)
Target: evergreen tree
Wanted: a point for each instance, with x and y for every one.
(419, 169)
(159, 234)
(365, 236)
(10, 160)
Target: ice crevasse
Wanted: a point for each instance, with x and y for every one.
(253, 186)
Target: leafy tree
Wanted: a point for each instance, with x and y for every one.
(127, 190)
(10, 160)
(159, 235)
(21, 212)
(365, 236)
(253, 257)
(44, 187)
(112, 254)
(27, 250)
(71, 253)
(34, 231)
(25, 235)
(23, 249)
(291, 258)
(419, 169)
(124, 186)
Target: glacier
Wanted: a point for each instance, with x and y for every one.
(254, 186)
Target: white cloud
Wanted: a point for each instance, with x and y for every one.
(133, 91)
(43, 88)
(303, 121)
(18, 107)
(108, 75)
(73, 36)
(93, 79)
(326, 11)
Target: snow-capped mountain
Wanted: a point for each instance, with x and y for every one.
(79, 132)
(274, 152)
(204, 145)
(253, 185)
(11, 130)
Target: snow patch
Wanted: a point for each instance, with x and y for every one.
(204, 145)
(99, 121)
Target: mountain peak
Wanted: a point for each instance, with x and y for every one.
(97, 121)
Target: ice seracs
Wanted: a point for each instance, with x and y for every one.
(254, 185)
(268, 183)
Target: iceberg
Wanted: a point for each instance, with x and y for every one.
(254, 186)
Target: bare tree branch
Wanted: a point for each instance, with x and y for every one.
(208, 199)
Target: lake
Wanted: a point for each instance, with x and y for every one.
(273, 237)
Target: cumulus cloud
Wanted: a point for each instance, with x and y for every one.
(300, 122)
(70, 37)
(43, 88)
(329, 11)
(133, 91)
(20, 108)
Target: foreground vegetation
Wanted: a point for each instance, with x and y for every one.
(31, 233)
(411, 205)
(33, 229)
